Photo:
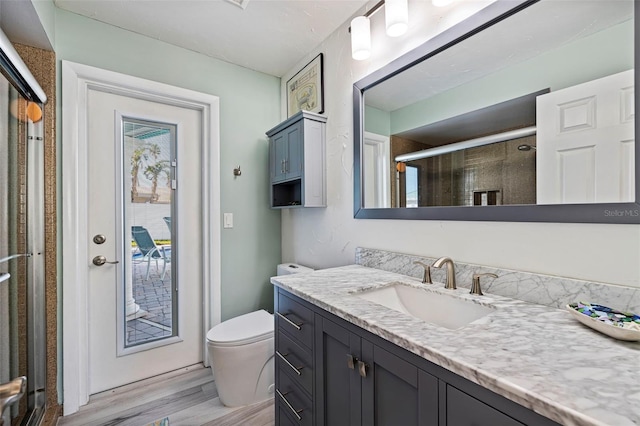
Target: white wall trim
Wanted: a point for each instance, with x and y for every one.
(77, 79)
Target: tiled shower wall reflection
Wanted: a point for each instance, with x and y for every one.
(493, 174)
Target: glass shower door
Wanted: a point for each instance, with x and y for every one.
(21, 268)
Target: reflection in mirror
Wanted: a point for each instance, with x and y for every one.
(536, 109)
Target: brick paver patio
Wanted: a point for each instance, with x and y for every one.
(154, 320)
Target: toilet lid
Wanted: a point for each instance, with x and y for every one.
(247, 328)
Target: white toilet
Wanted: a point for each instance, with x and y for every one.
(241, 352)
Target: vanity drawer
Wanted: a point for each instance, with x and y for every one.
(291, 400)
(295, 319)
(296, 361)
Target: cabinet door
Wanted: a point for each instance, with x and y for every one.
(279, 154)
(337, 387)
(396, 392)
(465, 410)
(295, 142)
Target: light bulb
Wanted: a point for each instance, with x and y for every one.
(360, 38)
(396, 17)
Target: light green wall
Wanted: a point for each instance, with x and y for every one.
(378, 121)
(584, 60)
(249, 105)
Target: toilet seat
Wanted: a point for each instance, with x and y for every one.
(242, 330)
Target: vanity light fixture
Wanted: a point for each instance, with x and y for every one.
(396, 21)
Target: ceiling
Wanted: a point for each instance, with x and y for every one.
(270, 36)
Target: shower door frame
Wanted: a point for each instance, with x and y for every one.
(77, 80)
(18, 75)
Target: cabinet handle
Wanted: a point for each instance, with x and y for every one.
(282, 166)
(351, 361)
(294, 368)
(293, 410)
(362, 368)
(291, 323)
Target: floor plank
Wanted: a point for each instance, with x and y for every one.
(187, 396)
(260, 414)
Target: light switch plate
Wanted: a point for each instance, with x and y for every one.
(227, 221)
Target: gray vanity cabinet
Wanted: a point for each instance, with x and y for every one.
(396, 392)
(338, 387)
(356, 378)
(297, 161)
(464, 410)
(359, 383)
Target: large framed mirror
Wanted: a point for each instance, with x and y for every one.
(524, 112)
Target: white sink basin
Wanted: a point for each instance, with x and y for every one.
(440, 309)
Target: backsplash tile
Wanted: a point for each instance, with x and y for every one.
(529, 287)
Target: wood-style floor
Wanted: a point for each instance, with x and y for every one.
(187, 396)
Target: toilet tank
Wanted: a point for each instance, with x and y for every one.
(291, 268)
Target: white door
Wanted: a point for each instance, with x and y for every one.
(144, 180)
(376, 174)
(585, 142)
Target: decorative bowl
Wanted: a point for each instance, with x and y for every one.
(616, 324)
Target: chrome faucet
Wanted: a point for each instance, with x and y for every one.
(450, 282)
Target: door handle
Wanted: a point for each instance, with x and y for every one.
(101, 260)
(11, 392)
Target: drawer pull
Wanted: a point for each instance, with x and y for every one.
(351, 361)
(293, 324)
(293, 410)
(362, 369)
(294, 368)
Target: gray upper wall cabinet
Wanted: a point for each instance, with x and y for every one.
(512, 48)
(297, 162)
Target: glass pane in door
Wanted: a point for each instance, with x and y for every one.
(150, 298)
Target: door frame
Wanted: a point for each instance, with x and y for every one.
(77, 80)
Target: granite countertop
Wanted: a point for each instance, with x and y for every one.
(537, 356)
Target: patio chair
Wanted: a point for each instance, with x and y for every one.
(167, 220)
(149, 250)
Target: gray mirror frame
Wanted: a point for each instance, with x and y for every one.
(620, 213)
